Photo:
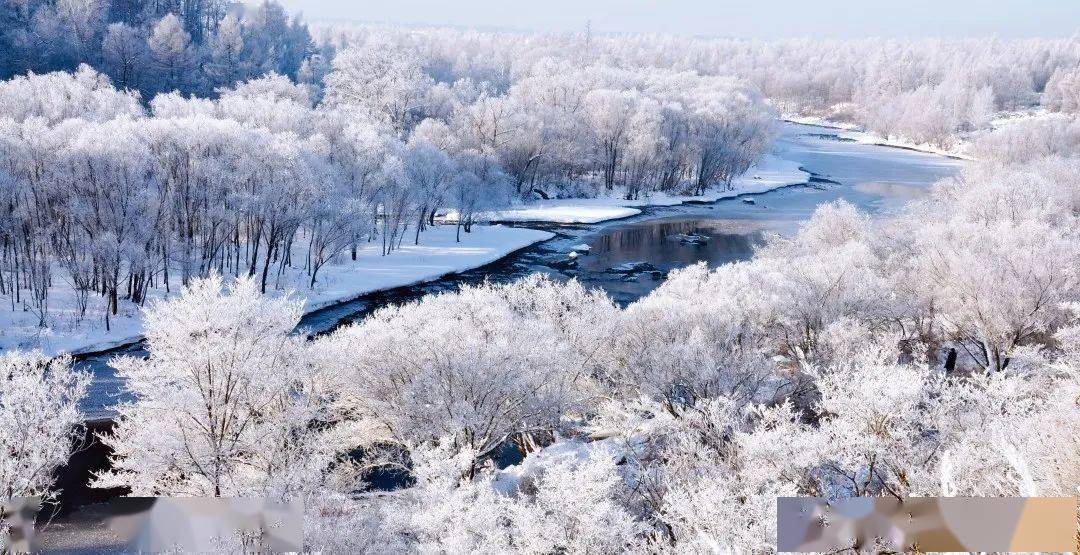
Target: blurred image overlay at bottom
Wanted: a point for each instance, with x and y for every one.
(157, 524)
(814, 524)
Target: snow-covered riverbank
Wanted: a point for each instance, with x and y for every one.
(436, 256)
(852, 132)
(962, 149)
(770, 173)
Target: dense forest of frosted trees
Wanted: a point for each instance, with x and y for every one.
(936, 352)
(925, 91)
(264, 181)
(933, 353)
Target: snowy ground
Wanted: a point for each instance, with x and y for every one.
(437, 255)
(770, 173)
(1004, 119)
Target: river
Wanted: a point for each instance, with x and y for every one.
(630, 257)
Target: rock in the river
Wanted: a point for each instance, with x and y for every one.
(582, 248)
(749, 200)
(633, 268)
(689, 238)
(565, 264)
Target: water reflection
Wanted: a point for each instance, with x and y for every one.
(630, 260)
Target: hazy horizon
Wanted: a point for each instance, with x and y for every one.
(742, 19)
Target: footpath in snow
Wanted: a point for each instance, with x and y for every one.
(437, 255)
(770, 173)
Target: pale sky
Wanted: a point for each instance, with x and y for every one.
(734, 18)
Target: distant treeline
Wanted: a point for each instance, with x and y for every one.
(190, 46)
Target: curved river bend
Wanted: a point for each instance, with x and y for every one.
(630, 257)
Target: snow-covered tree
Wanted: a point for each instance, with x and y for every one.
(124, 51)
(40, 421)
(457, 367)
(225, 405)
(1063, 90)
(1000, 268)
(58, 96)
(608, 114)
(226, 49)
(170, 48)
(568, 501)
(387, 82)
